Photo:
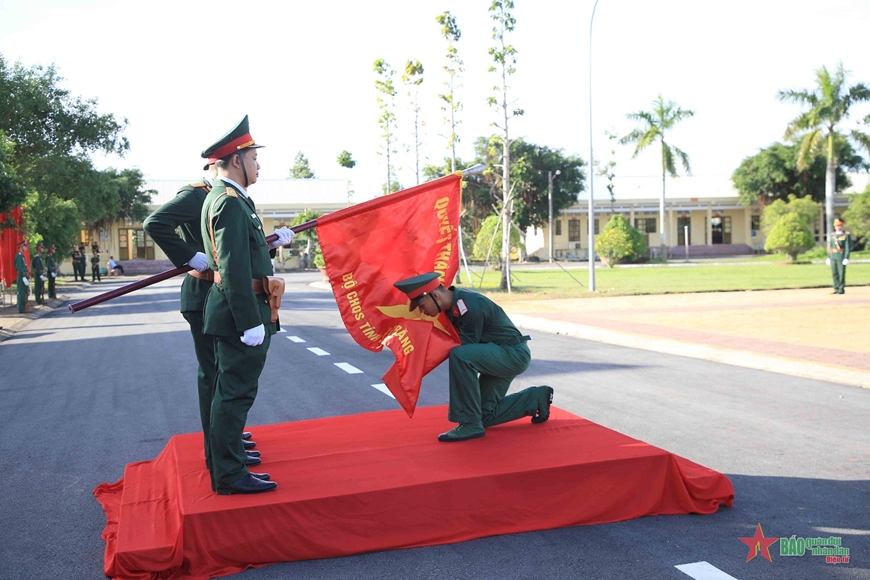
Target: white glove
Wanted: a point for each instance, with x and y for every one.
(254, 336)
(41, 277)
(54, 275)
(25, 281)
(285, 236)
(845, 261)
(827, 261)
(198, 262)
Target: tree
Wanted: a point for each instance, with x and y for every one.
(412, 80)
(858, 215)
(817, 127)
(301, 169)
(387, 120)
(619, 242)
(306, 241)
(454, 67)
(804, 207)
(345, 159)
(504, 56)
(12, 191)
(655, 124)
(772, 174)
(790, 236)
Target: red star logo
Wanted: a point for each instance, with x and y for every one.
(758, 543)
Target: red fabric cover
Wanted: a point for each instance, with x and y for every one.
(9, 238)
(374, 481)
(368, 247)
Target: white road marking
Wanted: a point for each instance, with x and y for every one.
(318, 351)
(348, 368)
(704, 571)
(383, 388)
(296, 339)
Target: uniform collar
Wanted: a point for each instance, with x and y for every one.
(235, 185)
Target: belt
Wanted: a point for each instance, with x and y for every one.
(837, 251)
(256, 285)
(208, 275)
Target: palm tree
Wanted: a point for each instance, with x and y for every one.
(663, 117)
(829, 104)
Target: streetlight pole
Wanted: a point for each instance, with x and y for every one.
(591, 165)
(550, 200)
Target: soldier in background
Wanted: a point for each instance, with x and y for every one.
(839, 248)
(95, 268)
(51, 268)
(22, 280)
(76, 257)
(37, 269)
(83, 262)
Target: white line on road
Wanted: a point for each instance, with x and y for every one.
(704, 571)
(296, 339)
(318, 351)
(349, 369)
(383, 388)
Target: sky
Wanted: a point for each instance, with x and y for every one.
(184, 72)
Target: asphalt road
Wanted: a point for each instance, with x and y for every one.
(85, 394)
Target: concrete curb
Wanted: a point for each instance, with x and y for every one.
(782, 365)
(15, 323)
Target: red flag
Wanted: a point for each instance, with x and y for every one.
(369, 246)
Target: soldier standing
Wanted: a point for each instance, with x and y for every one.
(95, 268)
(37, 268)
(51, 267)
(83, 262)
(839, 248)
(492, 354)
(237, 312)
(22, 281)
(183, 213)
(76, 263)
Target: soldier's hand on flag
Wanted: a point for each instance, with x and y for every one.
(285, 236)
(845, 261)
(198, 262)
(254, 336)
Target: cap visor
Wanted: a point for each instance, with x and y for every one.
(415, 302)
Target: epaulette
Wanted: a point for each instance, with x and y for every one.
(199, 184)
(232, 192)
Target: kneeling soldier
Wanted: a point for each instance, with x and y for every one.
(492, 353)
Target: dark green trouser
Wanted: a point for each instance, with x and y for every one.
(52, 293)
(238, 370)
(22, 295)
(480, 375)
(203, 345)
(37, 288)
(838, 272)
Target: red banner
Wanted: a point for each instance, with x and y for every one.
(370, 246)
(9, 238)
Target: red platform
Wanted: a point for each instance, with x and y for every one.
(379, 481)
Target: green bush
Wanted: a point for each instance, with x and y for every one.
(620, 242)
(318, 258)
(817, 253)
(790, 235)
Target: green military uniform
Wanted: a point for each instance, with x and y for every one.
(21, 271)
(37, 268)
(51, 267)
(839, 248)
(184, 212)
(76, 263)
(95, 268)
(239, 255)
(83, 262)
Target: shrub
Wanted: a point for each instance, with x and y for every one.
(484, 239)
(790, 235)
(619, 242)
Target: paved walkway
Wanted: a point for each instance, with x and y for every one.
(809, 333)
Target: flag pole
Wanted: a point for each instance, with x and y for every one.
(139, 284)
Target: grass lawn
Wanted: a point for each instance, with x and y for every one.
(542, 284)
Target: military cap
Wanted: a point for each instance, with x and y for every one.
(237, 139)
(39, 245)
(21, 243)
(419, 286)
(839, 221)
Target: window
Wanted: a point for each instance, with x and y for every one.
(756, 223)
(682, 224)
(558, 227)
(596, 226)
(645, 225)
(574, 230)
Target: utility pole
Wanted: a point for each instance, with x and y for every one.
(550, 176)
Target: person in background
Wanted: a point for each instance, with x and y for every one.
(95, 268)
